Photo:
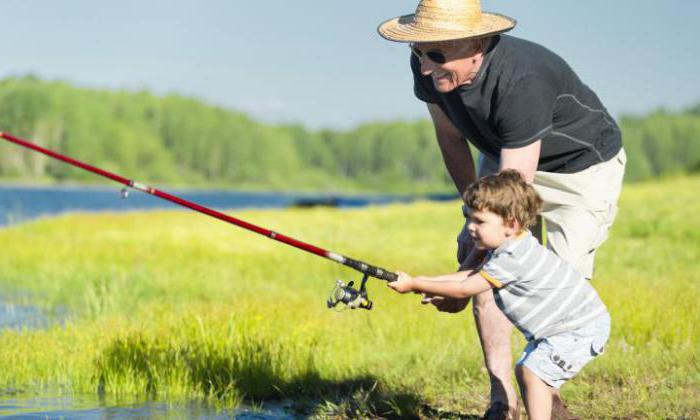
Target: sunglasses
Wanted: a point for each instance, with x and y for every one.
(435, 56)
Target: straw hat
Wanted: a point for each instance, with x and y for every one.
(444, 20)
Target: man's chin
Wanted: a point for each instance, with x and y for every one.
(443, 86)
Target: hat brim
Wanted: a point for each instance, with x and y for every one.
(405, 29)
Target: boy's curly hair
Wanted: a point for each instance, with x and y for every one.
(506, 194)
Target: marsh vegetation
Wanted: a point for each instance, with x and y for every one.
(174, 306)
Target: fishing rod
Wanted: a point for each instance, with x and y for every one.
(342, 293)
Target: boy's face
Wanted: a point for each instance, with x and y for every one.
(489, 230)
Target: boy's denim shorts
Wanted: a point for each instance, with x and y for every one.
(558, 358)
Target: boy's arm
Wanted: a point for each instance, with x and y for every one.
(461, 284)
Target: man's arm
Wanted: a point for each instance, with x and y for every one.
(455, 150)
(460, 165)
(524, 159)
(458, 157)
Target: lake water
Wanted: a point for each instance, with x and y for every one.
(17, 316)
(18, 204)
(21, 406)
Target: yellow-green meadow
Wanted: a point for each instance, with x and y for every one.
(175, 306)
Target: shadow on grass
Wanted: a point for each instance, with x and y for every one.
(253, 370)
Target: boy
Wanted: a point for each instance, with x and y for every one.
(560, 314)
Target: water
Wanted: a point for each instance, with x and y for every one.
(22, 316)
(18, 204)
(18, 405)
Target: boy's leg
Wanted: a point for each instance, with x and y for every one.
(555, 359)
(495, 331)
(536, 394)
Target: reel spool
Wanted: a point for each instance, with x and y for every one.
(348, 296)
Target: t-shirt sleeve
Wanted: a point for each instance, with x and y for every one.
(500, 269)
(423, 86)
(526, 111)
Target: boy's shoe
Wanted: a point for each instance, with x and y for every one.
(501, 411)
(559, 410)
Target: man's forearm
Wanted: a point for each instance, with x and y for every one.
(524, 160)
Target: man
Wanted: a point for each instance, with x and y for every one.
(523, 108)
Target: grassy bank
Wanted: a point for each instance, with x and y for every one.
(174, 305)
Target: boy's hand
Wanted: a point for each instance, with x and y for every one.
(403, 284)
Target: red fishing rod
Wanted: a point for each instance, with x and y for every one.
(341, 294)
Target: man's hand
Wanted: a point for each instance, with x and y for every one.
(449, 305)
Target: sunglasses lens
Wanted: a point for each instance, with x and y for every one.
(434, 55)
(437, 57)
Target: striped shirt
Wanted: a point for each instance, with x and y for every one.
(540, 293)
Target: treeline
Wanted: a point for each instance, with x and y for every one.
(181, 141)
(662, 143)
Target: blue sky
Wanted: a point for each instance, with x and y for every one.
(321, 63)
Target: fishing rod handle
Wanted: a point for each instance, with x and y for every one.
(371, 270)
(389, 276)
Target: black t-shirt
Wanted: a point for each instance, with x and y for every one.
(524, 92)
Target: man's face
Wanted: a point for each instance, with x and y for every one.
(450, 64)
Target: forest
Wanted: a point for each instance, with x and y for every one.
(182, 141)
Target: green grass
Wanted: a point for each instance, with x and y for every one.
(175, 305)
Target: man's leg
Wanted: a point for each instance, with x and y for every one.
(494, 328)
(579, 210)
(495, 332)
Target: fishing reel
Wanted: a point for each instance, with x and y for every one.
(348, 296)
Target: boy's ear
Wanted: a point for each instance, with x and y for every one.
(512, 223)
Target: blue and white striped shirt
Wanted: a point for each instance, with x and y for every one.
(540, 293)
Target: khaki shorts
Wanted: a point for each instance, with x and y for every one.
(578, 209)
